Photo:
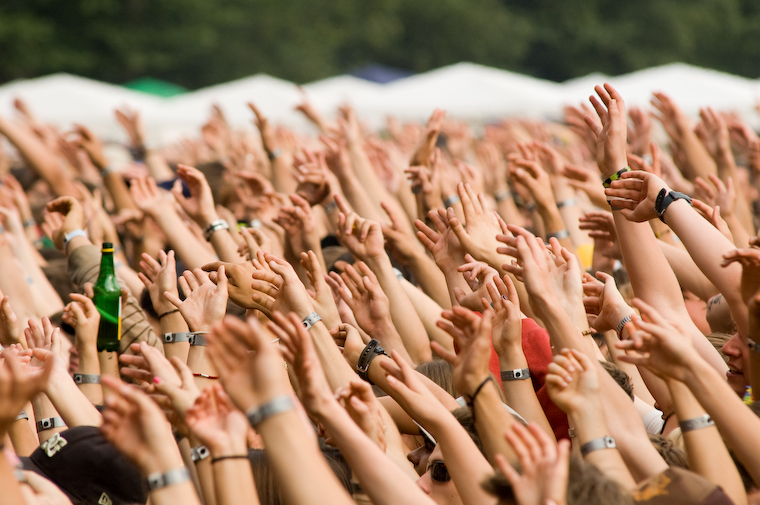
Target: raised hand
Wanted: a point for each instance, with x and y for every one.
(217, 423)
(82, 314)
(478, 276)
(478, 236)
(130, 120)
(73, 219)
(544, 466)
(364, 408)
(300, 225)
(138, 428)
(205, 302)
(601, 227)
(717, 194)
(425, 149)
(605, 306)
(572, 382)
(91, 145)
(443, 244)
(400, 239)
(276, 287)
(713, 215)
(248, 361)
(148, 197)
(586, 180)
(159, 277)
(471, 334)
(611, 135)
(662, 346)
(19, 386)
(636, 193)
(362, 237)
(10, 327)
(311, 174)
(148, 363)
(200, 205)
(323, 301)
(507, 320)
(359, 289)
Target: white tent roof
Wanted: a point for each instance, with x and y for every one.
(328, 94)
(466, 91)
(62, 99)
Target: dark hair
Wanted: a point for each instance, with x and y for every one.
(673, 455)
(586, 485)
(266, 487)
(465, 418)
(57, 273)
(441, 372)
(622, 378)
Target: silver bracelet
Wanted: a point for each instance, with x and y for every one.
(567, 203)
(276, 405)
(697, 423)
(621, 325)
(160, 480)
(29, 223)
(515, 375)
(597, 445)
(571, 433)
(86, 378)
(215, 226)
(49, 423)
(448, 202)
(199, 453)
(330, 207)
(311, 320)
(559, 235)
(198, 338)
(502, 195)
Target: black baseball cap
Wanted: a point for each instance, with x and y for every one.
(88, 468)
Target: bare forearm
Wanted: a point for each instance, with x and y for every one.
(189, 249)
(519, 394)
(689, 276)
(405, 318)
(429, 312)
(431, 279)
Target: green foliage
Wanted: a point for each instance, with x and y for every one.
(197, 43)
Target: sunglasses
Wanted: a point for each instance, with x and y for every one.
(439, 472)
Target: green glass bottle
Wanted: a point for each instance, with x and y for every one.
(108, 302)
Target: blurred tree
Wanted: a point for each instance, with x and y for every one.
(199, 42)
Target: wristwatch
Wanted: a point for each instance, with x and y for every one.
(370, 352)
(665, 198)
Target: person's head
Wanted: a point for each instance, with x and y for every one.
(719, 315)
(697, 309)
(441, 372)
(622, 378)
(673, 455)
(718, 340)
(419, 456)
(586, 485)
(436, 481)
(738, 362)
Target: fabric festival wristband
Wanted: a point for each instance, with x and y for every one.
(199, 453)
(85, 378)
(330, 207)
(597, 445)
(697, 423)
(22, 415)
(49, 423)
(181, 336)
(607, 182)
(311, 320)
(215, 226)
(276, 405)
(515, 375)
(448, 202)
(501, 196)
(160, 480)
(68, 237)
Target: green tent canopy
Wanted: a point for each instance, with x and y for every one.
(155, 87)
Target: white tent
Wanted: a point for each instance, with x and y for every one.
(328, 94)
(466, 91)
(185, 114)
(63, 99)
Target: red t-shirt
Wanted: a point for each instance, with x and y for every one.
(538, 352)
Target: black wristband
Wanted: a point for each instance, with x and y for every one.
(478, 390)
(370, 352)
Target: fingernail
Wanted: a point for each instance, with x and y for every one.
(157, 380)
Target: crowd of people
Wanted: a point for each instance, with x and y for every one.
(524, 312)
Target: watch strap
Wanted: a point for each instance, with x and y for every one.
(665, 198)
(370, 352)
(160, 480)
(598, 444)
(49, 423)
(311, 320)
(516, 374)
(697, 423)
(86, 378)
(219, 224)
(276, 405)
(622, 323)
